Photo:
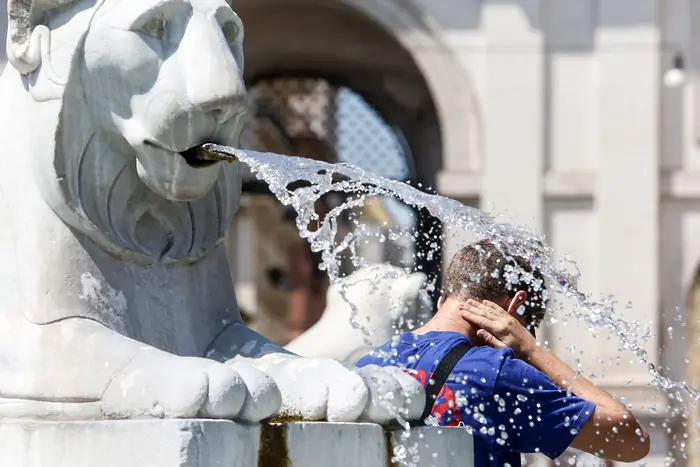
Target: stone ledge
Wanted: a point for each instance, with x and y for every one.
(215, 443)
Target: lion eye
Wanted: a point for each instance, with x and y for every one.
(232, 32)
(155, 27)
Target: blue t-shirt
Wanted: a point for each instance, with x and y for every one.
(511, 406)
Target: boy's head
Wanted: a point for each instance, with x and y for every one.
(481, 271)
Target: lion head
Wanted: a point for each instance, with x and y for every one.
(142, 83)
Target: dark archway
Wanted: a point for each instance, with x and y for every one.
(336, 42)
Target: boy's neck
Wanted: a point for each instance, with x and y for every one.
(449, 318)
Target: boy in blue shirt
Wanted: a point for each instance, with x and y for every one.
(515, 395)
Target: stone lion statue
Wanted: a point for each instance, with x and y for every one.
(385, 299)
(115, 293)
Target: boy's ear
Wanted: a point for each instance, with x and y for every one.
(441, 301)
(518, 299)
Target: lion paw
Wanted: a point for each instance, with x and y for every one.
(325, 389)
(160, 385)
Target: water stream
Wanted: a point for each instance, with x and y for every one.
(281, 172)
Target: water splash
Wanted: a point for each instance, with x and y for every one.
(279, 172)
(283, 173)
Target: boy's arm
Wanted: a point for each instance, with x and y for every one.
(612, 432)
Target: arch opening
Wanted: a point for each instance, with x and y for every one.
(377, 113)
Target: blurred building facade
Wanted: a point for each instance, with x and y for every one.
(579, 119)
(572, 117)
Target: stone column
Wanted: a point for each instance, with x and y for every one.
(513, 112)
(628, 196)
(628, 169)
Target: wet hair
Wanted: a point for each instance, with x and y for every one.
(483, 271)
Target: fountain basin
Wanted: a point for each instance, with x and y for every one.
(215, 443)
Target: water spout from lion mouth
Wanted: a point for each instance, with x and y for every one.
(206, 154)
(222, 153)
(201, 155)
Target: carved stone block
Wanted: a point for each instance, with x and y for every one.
(219, 443)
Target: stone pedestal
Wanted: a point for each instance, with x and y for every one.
(211, 443)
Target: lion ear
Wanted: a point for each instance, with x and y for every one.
(25, 37)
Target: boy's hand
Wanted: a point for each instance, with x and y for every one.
(498, 328)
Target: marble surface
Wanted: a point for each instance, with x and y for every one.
(212, 443)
